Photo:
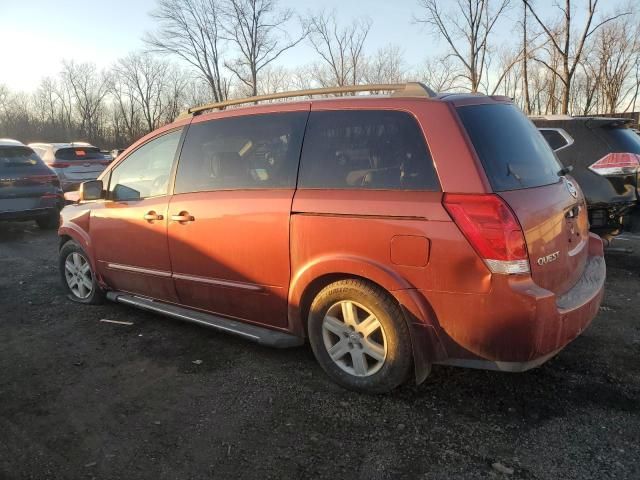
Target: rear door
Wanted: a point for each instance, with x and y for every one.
(524, 171)
(26, 183)
(229, 215)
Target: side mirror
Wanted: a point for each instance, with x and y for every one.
(91, 190)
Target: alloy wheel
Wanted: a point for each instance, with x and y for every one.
(77, 272)
(354, 338)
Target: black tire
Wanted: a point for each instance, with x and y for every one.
(96, 294)
(50, 222)
(397, 364)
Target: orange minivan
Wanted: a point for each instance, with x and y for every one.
(392, 232)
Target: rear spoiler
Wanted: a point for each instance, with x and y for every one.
(610, 122)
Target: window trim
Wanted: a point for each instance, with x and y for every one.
(563, 133)
(176, 155)
(406, 112)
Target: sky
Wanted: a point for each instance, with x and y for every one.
(37, 35)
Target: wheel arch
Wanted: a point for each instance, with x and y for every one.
(417, 312)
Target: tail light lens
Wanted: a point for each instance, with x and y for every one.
(58, 164)
(617, 164)
(492, 229)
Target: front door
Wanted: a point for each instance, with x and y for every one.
(130, 231)
(229, 215)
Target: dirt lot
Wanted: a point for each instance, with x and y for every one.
(84, 399)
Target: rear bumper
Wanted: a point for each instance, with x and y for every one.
(518, 325)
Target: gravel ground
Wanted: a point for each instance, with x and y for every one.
(160, 399)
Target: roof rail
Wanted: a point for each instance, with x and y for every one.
(410, 89)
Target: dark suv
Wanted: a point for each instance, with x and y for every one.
(605, 156)
(29, 190)
(392, 232)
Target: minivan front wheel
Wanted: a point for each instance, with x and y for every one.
(78, 276)
(359, 336)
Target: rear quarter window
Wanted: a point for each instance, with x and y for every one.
(365, 149)
(556, 138)
(511, 149)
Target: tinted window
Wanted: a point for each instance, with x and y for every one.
(18, 157)
(623, 140)
(257, 151)
(365, 149)
(79, 153)
(145, 173)
(554, 138)
(511, 149)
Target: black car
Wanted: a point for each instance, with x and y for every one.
(605, 156)
(29, 190)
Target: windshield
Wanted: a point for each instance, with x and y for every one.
(512, 151)
(18, 157)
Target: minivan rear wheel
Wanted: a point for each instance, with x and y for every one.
(359, 336)
(77, 275)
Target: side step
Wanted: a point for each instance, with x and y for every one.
(263, 336)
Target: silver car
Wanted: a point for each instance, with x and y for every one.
(74, 162)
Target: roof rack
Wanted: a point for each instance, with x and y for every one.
(410, 89)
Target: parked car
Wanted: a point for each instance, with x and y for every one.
(605, 156)
(405, 230)
(73, 162)
(29, 190)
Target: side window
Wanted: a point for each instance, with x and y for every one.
(257, 151)
(145, 173)
(366, 149)
(556, 138)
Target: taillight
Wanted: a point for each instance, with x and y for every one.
(58, 164)
(617, 164)
(492, 229)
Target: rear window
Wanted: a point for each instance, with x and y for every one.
(512, 151)
(18, 157)
(623, 140)
(79, 153)
(365, 149)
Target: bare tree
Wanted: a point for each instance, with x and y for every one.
(88, 89)
(466, 30)
(568, 49)
(258, 30)
(617, 48)
(439, 74)
(191, 30)
(143, 79)
(385, 66)
(274, 79)
(341, 48)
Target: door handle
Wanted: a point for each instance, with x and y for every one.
(151, 216)
(183, 217)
